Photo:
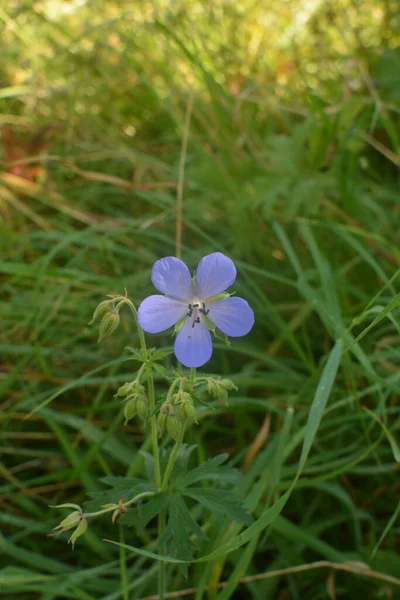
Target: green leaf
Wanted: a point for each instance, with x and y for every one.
(182, 461)
(162, 371)
(393, 444)
(388, 527)
(121, 487)
(135, 354)
(220, 501)
(146, 511)
(320, 400)
(211, 469)
(389, 308)
(180, 526)
(159, 557)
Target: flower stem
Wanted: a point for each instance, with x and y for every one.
(161, 572)
(172, 458)
(152, 402)
(162, 515)
(122, 563)
(153, 425)
(115, 506)
(192, 375)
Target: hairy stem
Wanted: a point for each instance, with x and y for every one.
(152, 402)
(172, 459)
(161, 573)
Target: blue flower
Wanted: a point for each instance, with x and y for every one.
(194, 302)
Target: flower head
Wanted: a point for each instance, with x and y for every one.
(198, 304)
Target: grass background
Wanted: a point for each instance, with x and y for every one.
(292, 168)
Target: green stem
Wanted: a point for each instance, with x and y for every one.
(153, 426)
(152, 402)
(162, 515)
(172, 458)
(161, 573)
(192, 375)
(115, 506)
(154, 441)
(122, 562)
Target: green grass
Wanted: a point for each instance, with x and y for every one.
(292, 168)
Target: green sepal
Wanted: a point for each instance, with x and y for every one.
(102, 309)
(178, 326)
(220, 296)
(108, 324)
(80, 530)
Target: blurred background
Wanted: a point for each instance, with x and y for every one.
(291, 112)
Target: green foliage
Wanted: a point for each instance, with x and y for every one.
(291, 169)
(121, 487)
(181, 524)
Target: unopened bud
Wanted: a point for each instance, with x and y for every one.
(123, 390)
(173, 427)
(102, 309)
(212, 387)
(161, 422)
(186, 412)
(227, 384)
(218, 388)
(191, 413)
(142, 408)
(108, 325)
(130, 409)
(71, 521)
(181, 413)
(223, 395)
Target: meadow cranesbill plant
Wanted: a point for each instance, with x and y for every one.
(196, 307)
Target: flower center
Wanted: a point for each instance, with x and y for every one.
(195, 308)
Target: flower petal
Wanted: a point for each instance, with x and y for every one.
(158, 313)
(233, 316)
(215, 273)
(193, 346)
(172, 277)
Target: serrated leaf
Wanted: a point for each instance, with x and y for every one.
(135, 353)
(212, 469)
(119, 487)
(162, 371)
(148, 464)
(220, 501)
(146, 511)
(179, 528)
(157, 354)
(182, 460)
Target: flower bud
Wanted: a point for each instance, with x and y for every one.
(186, 412)
(191, 413)
(212, 387)
(161, 422)
(142, 407)
(218, 389)
(181, 413)
(71, 521)
(223, 395)
(173, 426)
(227, 384)
(130, 409)
(109, 323)
(102, 309)
(123, 390)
